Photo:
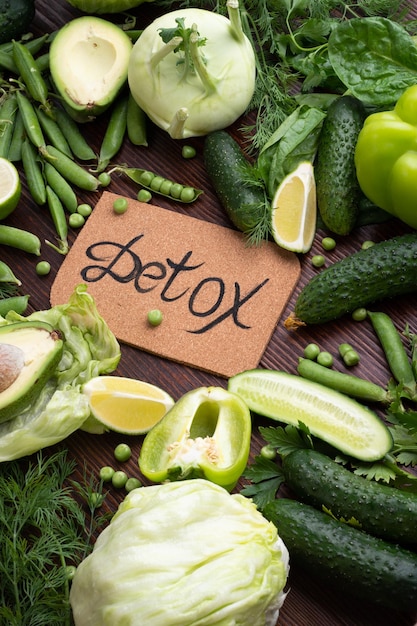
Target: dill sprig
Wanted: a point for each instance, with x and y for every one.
(44, 530)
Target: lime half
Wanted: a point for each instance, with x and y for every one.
(10, 187)
(329, 415)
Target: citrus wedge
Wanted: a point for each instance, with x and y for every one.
(10, 187)
(126, 405)
(328, 414)
(294, 210)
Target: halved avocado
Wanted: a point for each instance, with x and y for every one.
(88, 61)
(29, 355)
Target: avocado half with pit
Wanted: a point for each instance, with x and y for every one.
(88, 60)
(29, 355)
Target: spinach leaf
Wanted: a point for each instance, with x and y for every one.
(374, 57)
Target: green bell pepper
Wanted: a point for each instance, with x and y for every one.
(386, 158)
(206, 434)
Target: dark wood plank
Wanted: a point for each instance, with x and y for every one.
(307, 603)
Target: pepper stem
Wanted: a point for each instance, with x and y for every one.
(165, 50)
(198, 62)
(176, 128)
(234, 17)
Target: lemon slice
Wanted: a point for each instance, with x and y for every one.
(10, 187)
(328, 414)
(126, 405)
(294, 210)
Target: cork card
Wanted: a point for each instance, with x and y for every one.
(220, 298)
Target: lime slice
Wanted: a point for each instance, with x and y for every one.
(329, 415)
(294, 210)
(10, 187)
(126, 405)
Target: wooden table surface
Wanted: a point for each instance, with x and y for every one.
(308, 603)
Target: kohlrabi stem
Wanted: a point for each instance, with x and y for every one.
(164, 51)
(234, 17)
(176, 128)
(198, 62)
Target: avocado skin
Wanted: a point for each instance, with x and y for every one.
(25, 390)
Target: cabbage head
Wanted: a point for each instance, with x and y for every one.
(185, 553)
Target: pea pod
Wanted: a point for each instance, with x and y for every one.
(20, 239)
(7, 275)
(13, 303)
(30, 73)
(136, 123)
(70, 170)
(61, 187)
(15, 147)
(161, 185)
(33, 172)
(69, 128)
(7, 116)
(33, 45)
(7, 62)
(394, 351)
(59, 219)
(30, 120)
(53, 132)
(114, 135)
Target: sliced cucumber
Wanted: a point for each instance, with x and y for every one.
(329, 415)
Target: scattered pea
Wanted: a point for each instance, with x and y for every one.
(318, 260)
(120, 205)
(351, 358)
(43, 268)
(358, 315)
(144, 195)
(325, 359)
(104, 179)
(343, 348)
(122, 452)
(132, 483)
(328, 243)
(119, 479)
(76, 220)
(367, 244)
(268, 452)
(155, 317)
(188, 152)
(106, 473)
(311, 351)
(84, 209)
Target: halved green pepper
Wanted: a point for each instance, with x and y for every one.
(206, 434)
(386, 158)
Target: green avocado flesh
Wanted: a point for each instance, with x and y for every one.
(29, 355)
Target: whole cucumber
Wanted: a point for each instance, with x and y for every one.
(385, 270)
(380, 510)
(345, 557)
(337, 187)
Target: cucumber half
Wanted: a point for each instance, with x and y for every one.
(329, 415)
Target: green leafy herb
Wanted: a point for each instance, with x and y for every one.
(44, 530)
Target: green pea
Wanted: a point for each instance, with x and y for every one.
(155, 317)
(318, 260)
(84, 209)
(43, 268)
(76, 220)
(188, 152)
(122, 452)
(325, 359)
(328, 243)
(70, 571)
(268, 452)
(358, 315)
(104, 179)
(311, 351)
(187, 194)
(120, 206)
(176, 190)
(144, 195)
(156, 183)
(343, 348)
(351, 357)
(145, 178)
(367, 244)
(119, 479)
(106, 473)
(165, 187)
(132, 483)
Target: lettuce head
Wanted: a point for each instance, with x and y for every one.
(185, 553)
(89, 349)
